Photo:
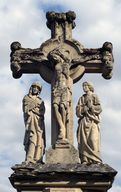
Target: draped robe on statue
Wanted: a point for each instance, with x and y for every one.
(88, 133)
(34, 109)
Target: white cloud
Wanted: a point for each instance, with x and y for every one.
(24, 21)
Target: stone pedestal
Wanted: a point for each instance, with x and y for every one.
(62, 152)
(62, 178)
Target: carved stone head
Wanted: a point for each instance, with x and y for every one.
(89, 85)
(35, 88)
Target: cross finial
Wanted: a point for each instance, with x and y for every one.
(61, 24)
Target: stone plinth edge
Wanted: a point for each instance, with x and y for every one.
(77, 176)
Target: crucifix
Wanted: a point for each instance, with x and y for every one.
(61, 61)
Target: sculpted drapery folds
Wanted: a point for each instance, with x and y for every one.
(34, 109)
(88, 134)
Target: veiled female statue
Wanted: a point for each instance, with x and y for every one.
(88, 111)
(34, 109)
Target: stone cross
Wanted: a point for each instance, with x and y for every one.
(61, 61)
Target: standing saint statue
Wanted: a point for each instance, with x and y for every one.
(88, 110)
(34, 110)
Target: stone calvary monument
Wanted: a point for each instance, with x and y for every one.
(62, 61)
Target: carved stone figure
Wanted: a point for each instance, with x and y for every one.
(88, 110)
(62, 99)
(34, 109)
(107, 60)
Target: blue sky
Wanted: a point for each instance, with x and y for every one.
(25, 21)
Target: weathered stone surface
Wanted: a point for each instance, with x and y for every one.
(62, 154)
(85, 177)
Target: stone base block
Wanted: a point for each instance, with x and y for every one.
(62, 153)
(62, 178)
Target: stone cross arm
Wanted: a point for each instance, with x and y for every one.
(81, 60)
(25, 60)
